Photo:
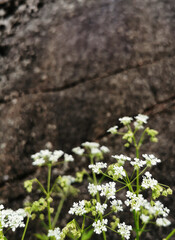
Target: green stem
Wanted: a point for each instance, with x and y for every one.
(58, 211)
(41, 186)
(170, 235)
(25, 229)
(48, 195)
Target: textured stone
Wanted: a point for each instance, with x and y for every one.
(70, 69)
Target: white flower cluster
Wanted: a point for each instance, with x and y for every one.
(113, 130)
(100, 226)
(134, 201)
(55, 233)
(124, 230)
(93, 147)
(93, 189)
(12, 219)
(137, 163)
(78, 208)
(45, 156)
(116, 205)
(149, 182)
(97, 167)
(100, 208)
(144, 218)
(151, 160)
(140, 120)
(121, 159)
(157, 209)
(78, 151)
(125, 120)
(67, 180)
(119, 172)
(108, 190)
(162, 222)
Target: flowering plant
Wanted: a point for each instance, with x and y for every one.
(101, 212)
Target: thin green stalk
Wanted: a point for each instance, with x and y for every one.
(25, 229)
(48, 195)
(170, 235)
(58, 211)
(41, 186)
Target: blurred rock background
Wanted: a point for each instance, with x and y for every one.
(70, 68)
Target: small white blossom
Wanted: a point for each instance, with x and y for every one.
(55, 233)
(119, 171)
(125, 120)
(137, 163)
(93, 189)
(97, 167)
(100, 208)
(95, 151)
(124, 230)
(142, 118)
(157, 209)
(104, 149)
(134, 201)
(151, 160)
(116, 205)
(121, 158)
(12, 219)
(149, 182)
(78, 151)
(162, 222)
(108, 190)
(68, 158)
(46, 156)
(144, 218)
(100, 226)
(78, 208)
(67, 179)
(90, 145)
(113, 130)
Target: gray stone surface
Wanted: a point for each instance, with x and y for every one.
(70, 69)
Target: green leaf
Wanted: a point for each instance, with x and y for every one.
(87, 235)
(41, 236)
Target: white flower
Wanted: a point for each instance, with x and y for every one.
(68, 158)
(93, 189)
(151, 159)
(46, 156)
(158, 209)
(121, 158)
(90, 145)
(142, 118)
(104, 149)
(116, 205)
(119, 171)
(95, 151)
(125, 120)
(144, 218)
(149, 182)
(134, 201)
(97, 167)
(108, 190)
(100, 208)
(137, 163)
(100, 226)
(162, 222)
(78, 151)
(113, 130)
(124, 230)
(12, 219)
(67, 180)
(55, 233)
(78, 208)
